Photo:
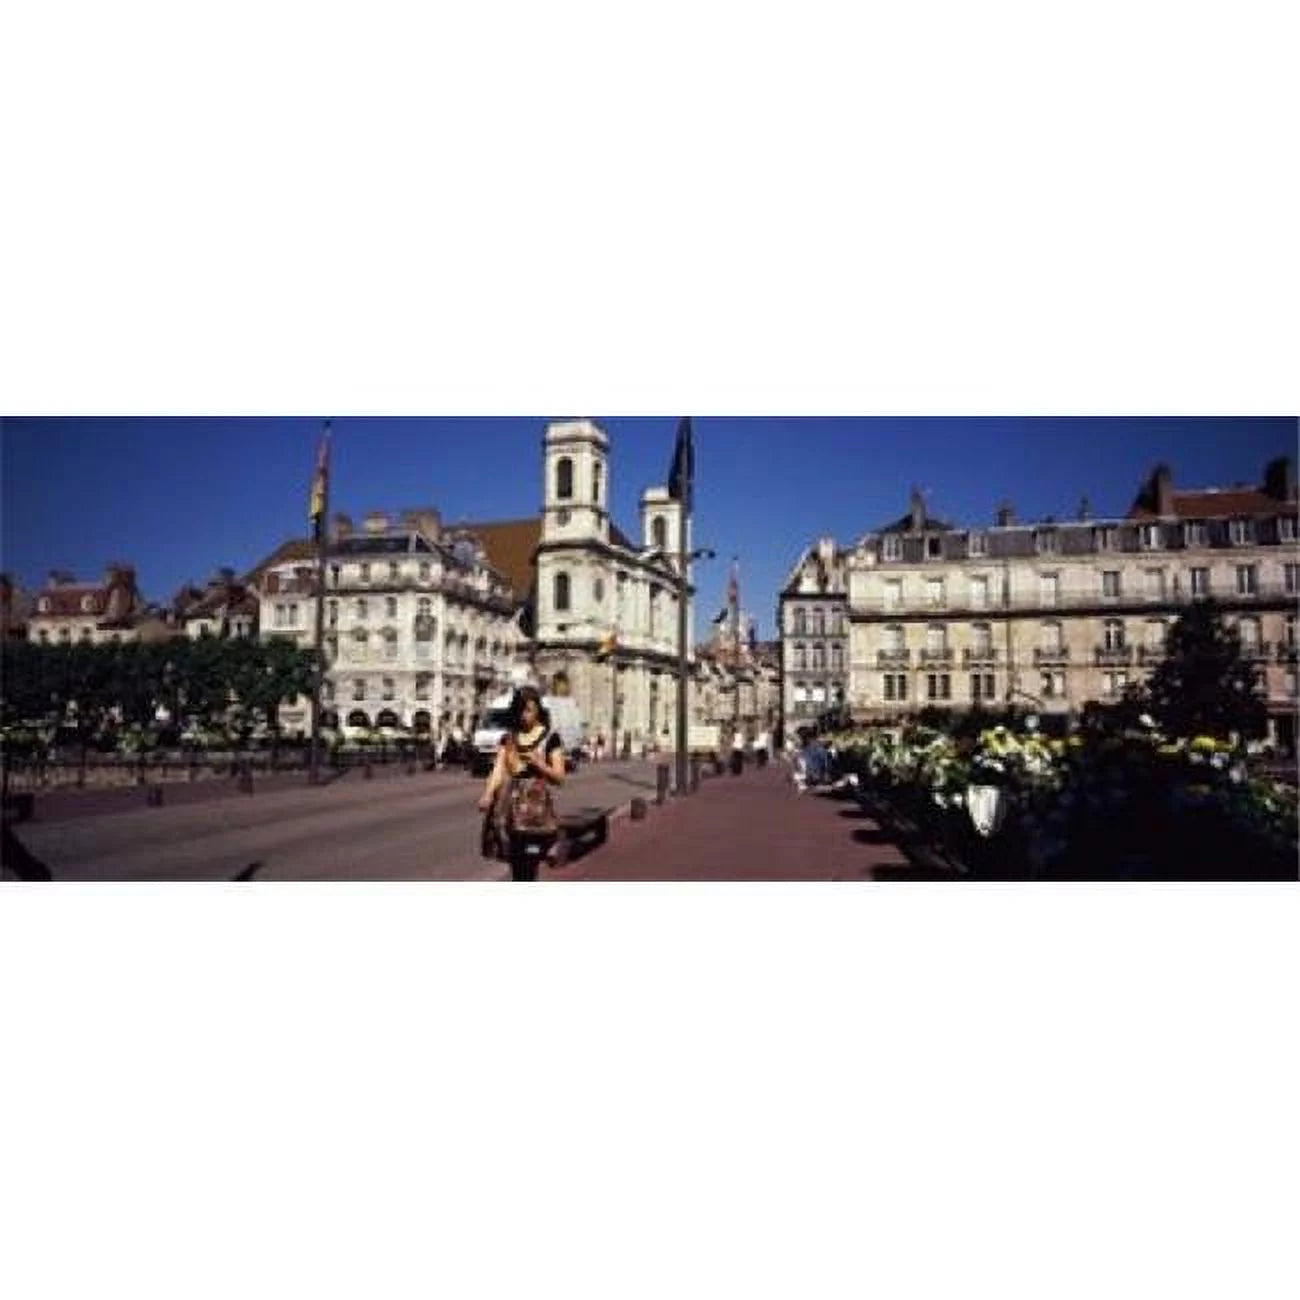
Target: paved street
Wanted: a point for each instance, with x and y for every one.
(751, 827)
(395, 827)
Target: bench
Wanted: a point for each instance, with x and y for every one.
(586, 826)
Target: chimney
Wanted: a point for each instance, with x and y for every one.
(342, 528)
(1006, 515)
(1085, 508)
(918, 510)
(60, 577)
(1162, 491)
(376, 522)
(1279, 479)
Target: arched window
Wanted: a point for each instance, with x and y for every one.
(659, 532)
(598, 591)
(564, 479)
(561, 591)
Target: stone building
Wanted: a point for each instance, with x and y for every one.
(226, 607)
(606, 611)
(813, 635)
(1054, 613)
(66, 611)
(419, 628)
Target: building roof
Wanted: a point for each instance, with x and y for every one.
(509, 546)
(1214, 503)
(296, 548)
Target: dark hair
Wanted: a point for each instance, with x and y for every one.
(521, 696)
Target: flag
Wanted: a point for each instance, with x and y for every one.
(320, 481)
(681, 477)
(607, 646)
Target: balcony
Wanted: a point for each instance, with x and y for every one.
(943, 658)
(893, 658)
(1057, 655)
(1286, 654)
(973, 658)
(1114, 655)
(1151, 654)
(1258, 650)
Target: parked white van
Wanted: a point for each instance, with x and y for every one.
(566, 722)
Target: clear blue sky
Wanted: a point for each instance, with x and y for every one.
(182, 497)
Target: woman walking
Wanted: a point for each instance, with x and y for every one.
(529, 765)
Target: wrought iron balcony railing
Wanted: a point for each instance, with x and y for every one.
(1115, 654)
(1058, 655)
(893, 658)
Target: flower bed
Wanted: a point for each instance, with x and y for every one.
(1139, 805)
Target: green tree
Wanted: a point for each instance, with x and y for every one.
(1205, 686)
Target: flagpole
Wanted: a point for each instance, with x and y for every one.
(735, 641)
(322, 466)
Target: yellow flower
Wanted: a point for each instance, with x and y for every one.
(1205, 744)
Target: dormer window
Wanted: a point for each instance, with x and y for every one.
(44, 605)
(977, 544)
(1195, 534)
(1149, 535)
(893, 547)
(934, 548)
(87, 604)
(1241, 532)
(1047, 541)
(365, 573)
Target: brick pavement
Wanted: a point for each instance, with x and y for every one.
(751, 827)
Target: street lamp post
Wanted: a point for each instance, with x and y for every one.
(683, 668)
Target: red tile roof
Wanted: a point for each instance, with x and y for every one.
(1214, 504)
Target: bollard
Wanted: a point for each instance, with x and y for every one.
(368, 772)
(246, 779)
(154, 796)
(695, 775)
(639, 810)
(661, 783)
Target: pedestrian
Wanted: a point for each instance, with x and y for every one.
(518, 794)
(762, 746)
(737, 753)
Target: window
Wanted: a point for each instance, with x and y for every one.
(598, 591)
(1292, 684)
(293, 615)
(1240, 532)
(936, 638)
(388, 688)
(979, 592)
(394, 571)
(424, 608)
(362, 609)
(1155, 584)
(837, 623)
(1292, 575)
(1049, 637)
(934, 548)
(1053, 685)
(1149, 537)
(894, 638)
(1195, 534)
(1247, 580)
(894, 594)
(281, 615)
(1049, 588)
(1286, 528)
(981, 639)
(981, 687)
(561, 585)
(390, 606)
(1110, 588)
(44, 605)
(1200, 581)
(85, 634)
(1248, 631)
(1113, 634)
(934, 592)
(334, 575)
(358, 689)
(1114, 682)
(939, 686)
(818, 623)
(390, 644)
(1155, 634)
(332, 613)
(422, 686)
(977, 544)
(801, 657)
(365, 573)
(1047, 541)
(895, 686)
(44, 636)
(837, 657)
(1289, 633)
(1105, 538)
(800, 622)
(564, 479)
(425, 571)
(659, 532)
(595, 482)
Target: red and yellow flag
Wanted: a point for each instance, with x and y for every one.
(320, 480)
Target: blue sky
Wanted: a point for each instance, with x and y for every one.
(182, 497)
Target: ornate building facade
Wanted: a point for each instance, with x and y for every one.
(1055, 614)
(813, 623)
